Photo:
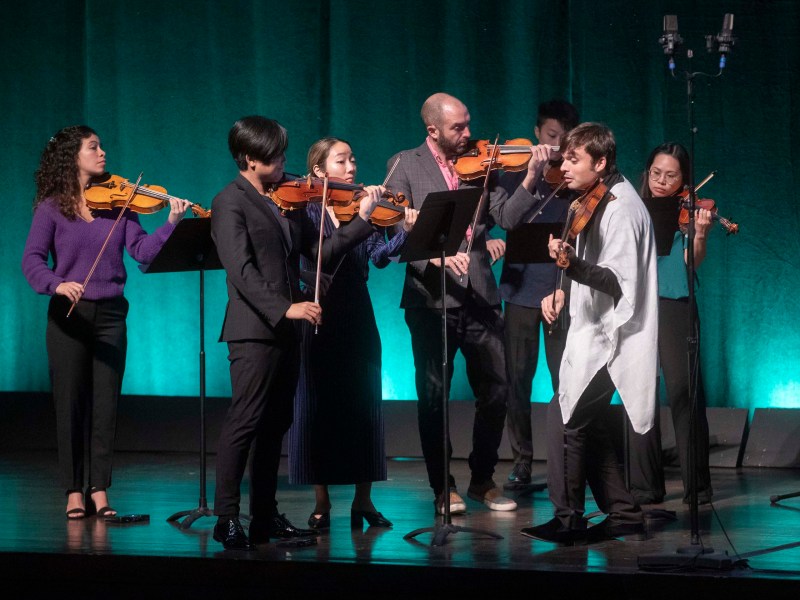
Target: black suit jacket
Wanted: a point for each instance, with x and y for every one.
(417, 175)
(260, 251)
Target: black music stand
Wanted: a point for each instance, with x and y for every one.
(190, 248)
(438, 233)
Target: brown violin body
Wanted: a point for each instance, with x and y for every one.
(730, 227)
(113, 192)
(513, 155)
(386, 212)
(580, 213)
(297, 193)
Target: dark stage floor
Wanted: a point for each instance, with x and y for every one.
(41, 551)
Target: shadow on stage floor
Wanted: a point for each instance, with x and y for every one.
(41, 552)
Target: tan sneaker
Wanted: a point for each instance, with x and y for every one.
(493, 498)
(457, 504)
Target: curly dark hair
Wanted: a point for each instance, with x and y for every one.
(57, 175)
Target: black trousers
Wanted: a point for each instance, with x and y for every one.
(478, 333)
(263, 380)
(86, 354)
(647, 470)
(582, 452)
(522, 327)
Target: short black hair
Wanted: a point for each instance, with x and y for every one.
(560, 110)
(257, 137)
(676, 151)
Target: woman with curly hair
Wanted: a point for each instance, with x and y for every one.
(86, 352)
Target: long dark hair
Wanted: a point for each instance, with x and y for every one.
(673, 149)
(57, 175)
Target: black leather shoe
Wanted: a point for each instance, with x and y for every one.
(375, 519)
(276, 527)
(610, 530)
(230, 533)
(555, 531)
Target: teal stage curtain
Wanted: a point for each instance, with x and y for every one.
(163, 81)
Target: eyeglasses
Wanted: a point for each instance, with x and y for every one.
(656, 175)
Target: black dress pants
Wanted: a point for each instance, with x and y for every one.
(522, 327)
(582, 452)
(478, 332)
(263, 380)
(86, 354)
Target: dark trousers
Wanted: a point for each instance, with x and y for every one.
(647, 470)
(522, 327)
(582, 452)
(263, 380)
(86, 354)
(477, 332)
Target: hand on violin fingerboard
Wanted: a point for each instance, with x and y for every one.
(702, 222)
(410, 218)
(177, 209)
(556, 246)
(308, 311)
(552, 304)
(372, 194)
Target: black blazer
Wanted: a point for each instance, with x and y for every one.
(417, 175)
(260, 251)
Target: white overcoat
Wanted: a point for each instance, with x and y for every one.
(623, 338)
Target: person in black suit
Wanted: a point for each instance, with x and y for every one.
(260, 247)
(474, 319)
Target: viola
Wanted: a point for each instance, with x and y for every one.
(512, 156)
(386, 212)
(112, 192)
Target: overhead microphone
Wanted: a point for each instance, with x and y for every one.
(724, 41)
(670, 40)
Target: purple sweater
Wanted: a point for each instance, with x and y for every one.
(74, 246)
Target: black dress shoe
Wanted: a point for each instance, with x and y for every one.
(610, 530)
(230, 533)
(555, 531)
(276, 527)
(375, 519)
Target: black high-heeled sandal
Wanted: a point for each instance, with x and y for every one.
(375, 519)
(91, 507)
(75, 514)
(318, 521)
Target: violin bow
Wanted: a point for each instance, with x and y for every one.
(105, 243)
(484, 195)
(319, 247)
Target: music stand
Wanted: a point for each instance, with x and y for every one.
(438, 233)
(190, 248)
(527, 244)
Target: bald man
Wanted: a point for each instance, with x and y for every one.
(474, 318)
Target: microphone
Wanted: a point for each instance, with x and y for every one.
(724, 41)
(670, 39)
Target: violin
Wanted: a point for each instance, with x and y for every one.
(708, 204)
(580, 213)
(386, 212)
(113, 191)
(296, 193)
(512, 156)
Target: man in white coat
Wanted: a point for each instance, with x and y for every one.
(611, 344)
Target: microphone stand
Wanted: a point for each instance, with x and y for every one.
(696, 554)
